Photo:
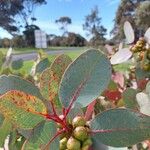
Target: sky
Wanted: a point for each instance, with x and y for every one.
(76, 10)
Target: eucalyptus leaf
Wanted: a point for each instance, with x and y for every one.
(42, 65)
(121, 127)
(1, 119)
(11, 82)
(5, 129)
(129, 32)
(98, 145)
(147, 35)
(17, 64)
(18, 116)
(76, 111)
(85, 78)
(129, 98)
(121, 56)
(144, 103)
(15, 140)
(51, 77)
(40, 137)
(141, 74)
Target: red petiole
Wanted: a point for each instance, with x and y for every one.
(55, 117)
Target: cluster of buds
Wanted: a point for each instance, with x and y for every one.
(143, 54)
(78, 137)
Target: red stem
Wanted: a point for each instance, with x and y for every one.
(55, 117)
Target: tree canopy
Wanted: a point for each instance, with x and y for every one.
(23, 9)
(127, 12)
(64, 21)
(142, 15)
(94, 28)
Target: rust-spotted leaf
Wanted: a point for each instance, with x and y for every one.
(11, 82)
(51, 77)
(27, 102)
(22, 112)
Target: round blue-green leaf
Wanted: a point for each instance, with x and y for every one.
(17, 64)
(85, 78)
(40, 137)
(121, 127)
(42, 65)
(129, 98)
(12, 83)
(141, 74)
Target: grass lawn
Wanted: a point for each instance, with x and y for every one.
(58, 48)
(72, 52)
(28, 64)
(73, 55)
(30, 50)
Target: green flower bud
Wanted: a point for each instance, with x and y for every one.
(63, 144)
(73, 144)
(85, 147)
(146, 67)
(78, 121)
(80, 133)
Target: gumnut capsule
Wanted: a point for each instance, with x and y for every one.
(78, 121)
(73, 144)
(63, 144)
(80, 133)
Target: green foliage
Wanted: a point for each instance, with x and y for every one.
(2, 59)
(15, 140)
(64, 21)
(121, 127)
(141, 74)
(5, 129)
(1, 119)
(42, 65)
(84, 85)
(128, 10)
(93, 27)
(9, 83)
(20, 114)
(17, 64)
(50, 78)
(44, 116)
(24, 10)
(129, 97)
(40, 136)
(142, 15)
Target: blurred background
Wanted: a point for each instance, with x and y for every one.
(69, 23)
